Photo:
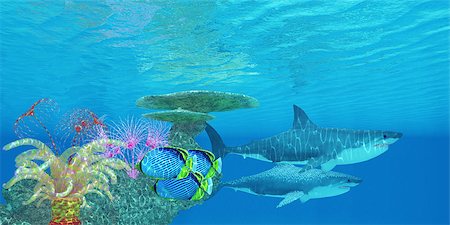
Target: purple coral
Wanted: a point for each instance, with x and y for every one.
(157, 134)
(139, 136)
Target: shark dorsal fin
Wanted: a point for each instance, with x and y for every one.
(301, 120)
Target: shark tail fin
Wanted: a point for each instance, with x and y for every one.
(218, 147)
(223, 184)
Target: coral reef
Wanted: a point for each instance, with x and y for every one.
(134, 203)
(17, 213)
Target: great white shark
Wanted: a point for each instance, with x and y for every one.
(292, 183)
(311, 145)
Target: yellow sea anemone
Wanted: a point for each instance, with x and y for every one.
(86, 172)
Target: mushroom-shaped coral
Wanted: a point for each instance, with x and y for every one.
(186, 125)
(198, 101)
(73, 174)
(188, 111)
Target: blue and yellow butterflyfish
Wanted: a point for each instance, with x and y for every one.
(166, 163)
(193, 187)
(205, 162)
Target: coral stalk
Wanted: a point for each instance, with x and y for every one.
(65, 211)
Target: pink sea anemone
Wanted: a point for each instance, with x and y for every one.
(139, 136)
(157, 134)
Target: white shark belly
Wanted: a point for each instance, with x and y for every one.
(357, 155)
(262, 158)
(247, 190)
(253, 156)
(325, 192)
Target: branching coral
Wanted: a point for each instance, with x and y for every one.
(73, 174)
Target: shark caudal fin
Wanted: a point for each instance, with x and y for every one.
(218, 147)
(301, 120)
(223, 184)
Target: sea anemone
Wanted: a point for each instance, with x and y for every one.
(157, 134)
(69, 179)
(138, 135)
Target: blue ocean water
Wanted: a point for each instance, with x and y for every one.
(348, 64)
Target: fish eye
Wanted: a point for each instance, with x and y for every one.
(349, 181)
(384, 136)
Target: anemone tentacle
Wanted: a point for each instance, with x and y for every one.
(87, 172)
(35, 196)
(33, 154)
(66, 192)
(106, 170)
(16, 179)
(32, 142)
(69, 152)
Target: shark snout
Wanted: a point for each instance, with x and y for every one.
(393, 135)
(397, 135)
(390, 137)
(353, 181)
(357, 180)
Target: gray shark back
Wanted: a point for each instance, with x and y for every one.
(298, 144)
(293, 141)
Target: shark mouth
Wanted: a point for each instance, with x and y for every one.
(380, 145)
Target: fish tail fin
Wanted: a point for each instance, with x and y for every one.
(218, 147)
(209, 189)
(194, 160)
(186, 169)
(138, 166)
(154, 188)
(205, 186)
(217, 165)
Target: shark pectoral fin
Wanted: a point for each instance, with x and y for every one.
(328, 165)
(304, 198)
(290, 197)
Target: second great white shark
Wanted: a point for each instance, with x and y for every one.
(291, 183)
(311, 145)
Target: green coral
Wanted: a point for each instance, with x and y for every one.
(188, 111)
(198, 101)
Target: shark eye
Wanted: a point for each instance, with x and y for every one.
(385, 136)
(349, 181)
